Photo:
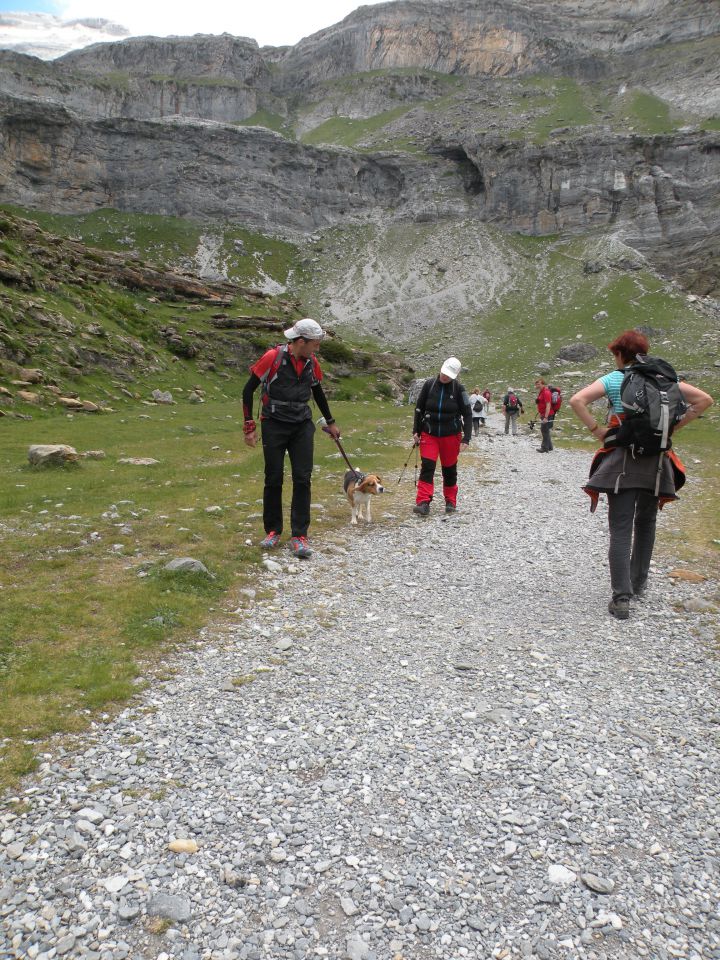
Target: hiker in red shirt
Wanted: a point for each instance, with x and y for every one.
(543, 402)
(289, 374)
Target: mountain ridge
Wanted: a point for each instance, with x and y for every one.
(536, 116)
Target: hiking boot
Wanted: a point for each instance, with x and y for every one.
(270, 541)
(540, 450)
(450, 507)
(639, 589)
(422, 509)
(300, 547)
(619, 608)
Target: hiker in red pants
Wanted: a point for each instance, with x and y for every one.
(442, 427)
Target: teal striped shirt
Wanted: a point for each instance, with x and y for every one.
(612, 383)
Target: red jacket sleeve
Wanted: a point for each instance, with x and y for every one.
(262, 365)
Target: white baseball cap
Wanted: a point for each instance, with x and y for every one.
(307, 329)
(451, 368)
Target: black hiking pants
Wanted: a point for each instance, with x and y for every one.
(632, 515)
(546, 444)
(295, 439)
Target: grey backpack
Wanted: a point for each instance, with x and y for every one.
(653, 404)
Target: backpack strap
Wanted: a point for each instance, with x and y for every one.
(272, 371)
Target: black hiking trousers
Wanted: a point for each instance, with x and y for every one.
(632, 516)
(546, 444)
(295, 439)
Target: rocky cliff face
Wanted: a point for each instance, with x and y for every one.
(148, 125)
(662, 188)
(125, 95)
(229, 79)
(53, 160)
(231, 58)
(661, 191)
(452, 36)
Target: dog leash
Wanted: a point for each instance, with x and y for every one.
(323, 425)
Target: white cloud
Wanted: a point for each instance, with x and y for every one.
(270, 22)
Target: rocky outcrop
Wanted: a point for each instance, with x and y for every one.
(230, 79)
(51, 159)
(368, 95)
(226, 57)
(68, 261)
(661, 190)
(150, 125)
(469, 37)
(137, 97)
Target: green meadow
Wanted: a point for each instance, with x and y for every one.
(87, 609)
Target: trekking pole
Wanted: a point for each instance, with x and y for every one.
(323, 425)
(417, 447)
(402, 472)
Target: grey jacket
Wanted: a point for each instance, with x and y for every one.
(618, 470)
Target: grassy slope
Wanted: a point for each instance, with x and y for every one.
(80, 623)
(523, 291)
(555, 301)
(529, 108)
(246, 256)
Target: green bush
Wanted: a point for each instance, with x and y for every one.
(335, 351)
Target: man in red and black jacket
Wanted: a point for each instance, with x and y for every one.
(545, 413)
(442, 427)
(289, 374)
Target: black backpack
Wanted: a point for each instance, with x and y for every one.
(477, 406)
(653, 404)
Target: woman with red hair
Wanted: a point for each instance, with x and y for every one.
(635, 485)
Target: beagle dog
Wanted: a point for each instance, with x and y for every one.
(359, 488)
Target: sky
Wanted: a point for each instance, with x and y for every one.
(270, 22)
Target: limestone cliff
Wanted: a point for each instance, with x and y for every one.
(229, 79)
(52, 159)
(661, 191)
(151, 125)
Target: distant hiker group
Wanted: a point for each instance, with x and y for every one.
(635, 466)
(479, 408)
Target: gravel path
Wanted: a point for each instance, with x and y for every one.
(434, 742)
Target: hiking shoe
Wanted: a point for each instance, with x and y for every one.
(619, 608)
(639, 589)
(270, 541)
(300, 547)
(450, 507)
(422, 509)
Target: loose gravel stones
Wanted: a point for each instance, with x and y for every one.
(597, 884)
(429, 741)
